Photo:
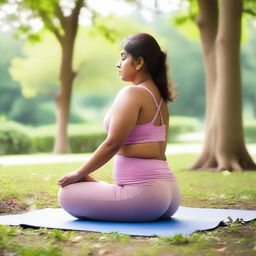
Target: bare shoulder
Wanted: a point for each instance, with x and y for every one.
(127, 101)
(130, 92)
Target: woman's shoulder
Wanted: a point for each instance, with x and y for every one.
(130, 91)
(130, 94)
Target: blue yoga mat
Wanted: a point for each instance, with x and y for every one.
(186, 221)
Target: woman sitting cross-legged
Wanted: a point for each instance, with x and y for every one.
(144, 189)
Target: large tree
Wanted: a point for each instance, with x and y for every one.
(224, 148)
(219, 23)
(65, 31)
(60, 18)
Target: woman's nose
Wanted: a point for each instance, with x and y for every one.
(118, 64)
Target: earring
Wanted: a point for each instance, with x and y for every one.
(137, 68)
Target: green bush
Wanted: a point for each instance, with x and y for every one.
(181, 124)
(14, 142)
(79, 143)
(42, 143)
(18, 139)
(86, 143)
(82, 137)
(85, 138)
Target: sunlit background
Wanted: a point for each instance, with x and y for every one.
(29, 69)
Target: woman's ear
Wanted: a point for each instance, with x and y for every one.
(139, 63)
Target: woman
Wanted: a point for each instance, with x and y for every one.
(137, 124)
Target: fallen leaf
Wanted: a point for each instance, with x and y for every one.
(97, 245)
(154, 239)
(76, 239)
(105, 252)
(10, 202)
(103, 238)
(225, 173)
(221, 249)
(10, 254)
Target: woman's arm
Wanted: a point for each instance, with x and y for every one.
(124, 115)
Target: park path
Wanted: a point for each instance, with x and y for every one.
(69, 158)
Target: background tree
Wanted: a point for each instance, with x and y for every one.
(61, 19)
(219, 22)
(65, 32)
(220, 29)
(96, 53)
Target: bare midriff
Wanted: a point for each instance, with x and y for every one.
(151, 150)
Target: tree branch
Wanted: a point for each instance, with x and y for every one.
(249, 11)
(76, 10)
(50, 24)
(60, 15)
(75, 15)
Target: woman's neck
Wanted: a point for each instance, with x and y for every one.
(142, 78)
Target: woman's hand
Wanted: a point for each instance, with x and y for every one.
(70, 178)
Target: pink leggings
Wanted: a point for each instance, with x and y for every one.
(140, 202)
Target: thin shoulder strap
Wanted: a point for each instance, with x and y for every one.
(158, 111)
(158, 106)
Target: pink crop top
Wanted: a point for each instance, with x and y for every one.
(147, 132)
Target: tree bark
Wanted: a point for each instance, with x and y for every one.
(224, 146)
(63, 99)
(208, 22)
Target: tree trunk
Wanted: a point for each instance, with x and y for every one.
(63, 98)
(208, 22)
(224, 146)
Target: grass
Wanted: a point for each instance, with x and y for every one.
(28, 187)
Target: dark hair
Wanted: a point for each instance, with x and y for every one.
(145, 45)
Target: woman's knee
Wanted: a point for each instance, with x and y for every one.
(62, 194)
(66, 195)
(78, 192)
(67, 201)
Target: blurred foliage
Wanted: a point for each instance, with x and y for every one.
(18, 139)
(250, 131)
(48, 12)
(180, 124)
(35, 70)
(21, 112)
(249, 7)
(9, 89)
(95, 58)
(248, 56)
(185, 18)
(13, 141)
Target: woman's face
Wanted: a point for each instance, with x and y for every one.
(126, 66)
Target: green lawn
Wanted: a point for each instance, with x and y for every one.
(28, 187)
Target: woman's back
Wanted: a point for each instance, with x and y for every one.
(152, 122)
